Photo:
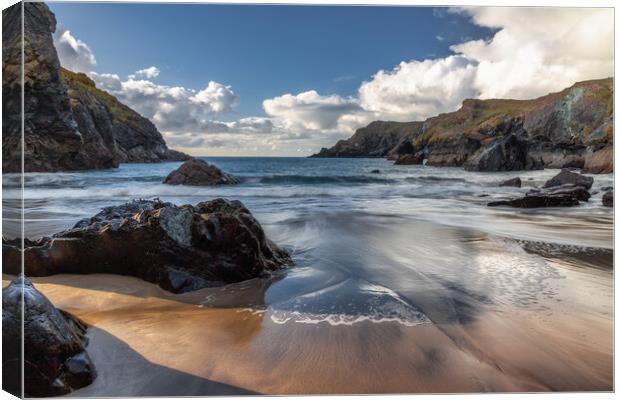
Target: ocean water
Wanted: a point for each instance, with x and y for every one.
(408, 245)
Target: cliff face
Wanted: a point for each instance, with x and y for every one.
(112, 132)
(374, 140)
(571, 128)
(68, 124)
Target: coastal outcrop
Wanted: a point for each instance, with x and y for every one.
(197, 172)
(566, 189)
(55, 358)
(561, 196)
(69, 124)
(374, 140)
(180, 248)
(572, 128)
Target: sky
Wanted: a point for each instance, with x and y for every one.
(249, 80)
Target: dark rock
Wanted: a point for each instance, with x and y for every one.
(608, 199)
(410, 159)
(180, 248)
(567, 177)
(375, 171)
(506, 154)
(374, 140)
(562, 196)
(515, 182)
(69, 124)
(55, 357)
(453, 153)
(199, 173)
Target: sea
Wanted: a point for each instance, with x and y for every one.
(372, 241)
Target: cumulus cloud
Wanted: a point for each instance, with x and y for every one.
(532, 52)
(310, 111)
(73, 54)
(418, 89)
(150, 73)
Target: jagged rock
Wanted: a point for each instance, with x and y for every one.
(451, 153)
(180, 248)
(515, 182)
(608, 199)
(69, 124)
(55, 357)
(506, 154)
(410, 159)
(562, 196)
(199, 173)
(568, 177)
(600, 162)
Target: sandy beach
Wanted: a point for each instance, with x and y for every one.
(145, 341)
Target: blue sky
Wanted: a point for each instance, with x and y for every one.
(262, 51)
(288, 80)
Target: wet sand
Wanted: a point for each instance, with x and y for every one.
(145, 341)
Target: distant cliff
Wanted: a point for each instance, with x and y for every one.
(69, 124)
(374, 140)
(571, 128)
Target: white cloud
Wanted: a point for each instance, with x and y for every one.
(310, 111)
(150, 73)
(534, 51)
(440, 38)
(418, 89)
(73, 54)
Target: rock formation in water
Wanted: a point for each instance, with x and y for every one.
(55, 357)
(571, 128)
(179, 248)
(199, 173)
(608, 198)
(514, 182)
(69, 124)
(566, 189)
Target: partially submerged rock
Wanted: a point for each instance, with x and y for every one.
(514, 182)
(55, 358)
(608, 199)
(199, 173)
(375, 171)
(180, 248)
(567, 177)
(562, 196)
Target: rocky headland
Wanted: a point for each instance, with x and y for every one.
(69, 123)
(569, 129)
(55, 359)
(180, 248)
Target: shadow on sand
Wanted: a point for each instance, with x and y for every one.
(123, 372)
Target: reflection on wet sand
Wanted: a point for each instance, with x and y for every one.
(145, 341)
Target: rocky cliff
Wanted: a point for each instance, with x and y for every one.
(571, 128)
(69, 124)
(374, 140)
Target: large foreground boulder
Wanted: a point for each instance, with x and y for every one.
(566, 177)
(55, 359)
(180, 248)
(199, 173)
